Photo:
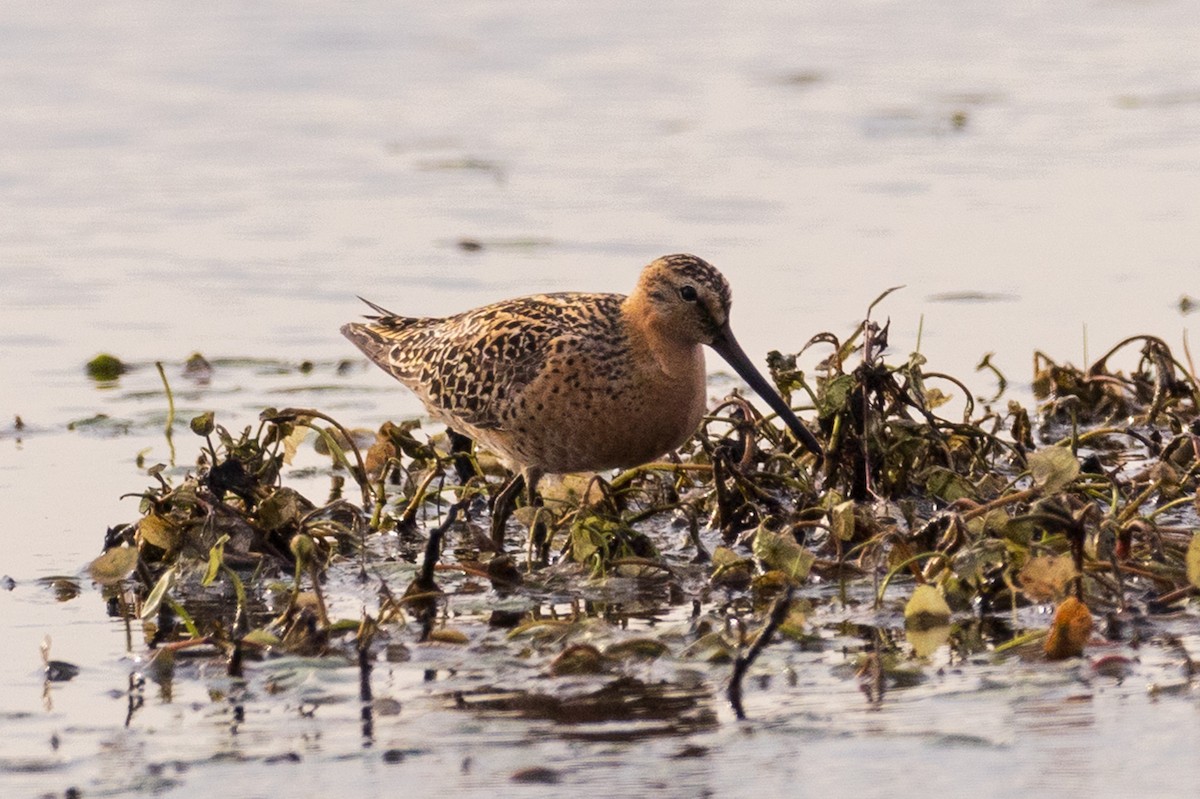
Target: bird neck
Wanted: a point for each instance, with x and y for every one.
(651, 335)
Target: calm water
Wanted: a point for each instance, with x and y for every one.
(225, 178)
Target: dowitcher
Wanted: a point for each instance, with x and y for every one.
(572, 382)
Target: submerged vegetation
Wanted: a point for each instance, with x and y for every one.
(946, 513)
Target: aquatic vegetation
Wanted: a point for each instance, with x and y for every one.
(946, 513)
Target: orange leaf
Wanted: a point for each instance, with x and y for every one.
(1069, 631)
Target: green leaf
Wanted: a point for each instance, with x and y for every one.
(585, 542)
(1053, 469)
(836, 395)
(780, 551)
(105, 367)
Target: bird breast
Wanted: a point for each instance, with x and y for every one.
(589, 410)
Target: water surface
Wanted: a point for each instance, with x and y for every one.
(226, 177)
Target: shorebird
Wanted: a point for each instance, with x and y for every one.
(572, 382)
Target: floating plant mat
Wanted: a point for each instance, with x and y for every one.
(998, 535)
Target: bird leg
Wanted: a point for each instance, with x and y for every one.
(504, 504)
(538, 532)
(502, 508)
(460, 454)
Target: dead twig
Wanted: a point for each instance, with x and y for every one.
(746, 659)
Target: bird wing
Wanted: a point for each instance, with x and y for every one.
(474, 368)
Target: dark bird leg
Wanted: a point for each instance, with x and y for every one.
(502, 508)
(539, 533)
(460, 453)
(527, 479)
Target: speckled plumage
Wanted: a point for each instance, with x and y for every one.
(572, 382)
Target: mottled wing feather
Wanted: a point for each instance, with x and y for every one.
(474, 367)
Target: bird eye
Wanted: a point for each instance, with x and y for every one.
(688, 293)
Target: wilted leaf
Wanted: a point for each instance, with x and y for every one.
(283, 508)
(448, 635)
(992, 524)
(1019, 531)
(770, 584)
(926, 609)
(780, 551)
(730, 570)
(114, 565)
(1053, 469)
(203, 424)
(1047, 577)
(841, 519)
(566, 489)
(1069, 631)
(837, 393)
(935, 398)
(585, 541)
(948, 485)
(159, 531)
(795, 621)
(578, 659)
(637, 648)
(292, 442)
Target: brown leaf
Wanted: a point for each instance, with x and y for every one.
(1046, 577)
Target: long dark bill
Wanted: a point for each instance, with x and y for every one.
(728, 348)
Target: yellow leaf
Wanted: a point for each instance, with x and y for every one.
(292, 442)
(260, 637)
(1193, 560)
(926, 609)
(927, 641)
(637, 649)
(216, 559)
(724, 556)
